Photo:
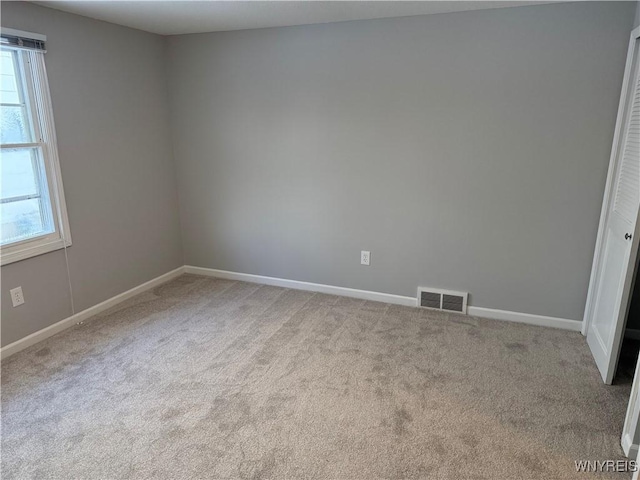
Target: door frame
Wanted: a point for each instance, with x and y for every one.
(631, 430)
(608, 198)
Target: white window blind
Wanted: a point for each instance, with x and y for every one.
(23, 40)
(33, 218)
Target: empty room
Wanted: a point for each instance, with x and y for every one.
(319, 240)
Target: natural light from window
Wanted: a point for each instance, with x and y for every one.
(32, 212)
(25, 209)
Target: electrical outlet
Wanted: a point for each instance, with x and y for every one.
(365, 258)
(17, 298)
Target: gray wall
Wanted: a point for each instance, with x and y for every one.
(466, 151)
(110, 105)
(637, 20)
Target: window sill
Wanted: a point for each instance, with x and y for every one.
(11, 254)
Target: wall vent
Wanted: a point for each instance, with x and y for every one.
(445, 300)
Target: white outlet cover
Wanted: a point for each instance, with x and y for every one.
(365, 257)
(17, 298)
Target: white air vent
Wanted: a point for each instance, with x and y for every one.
(445, 300)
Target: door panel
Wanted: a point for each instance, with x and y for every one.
(616, 249)
(607, 302)
(604, 336)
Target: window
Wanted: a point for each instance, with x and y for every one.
(33, 218)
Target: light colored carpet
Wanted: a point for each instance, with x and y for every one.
(207, 378)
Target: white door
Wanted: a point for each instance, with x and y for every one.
(617, 245)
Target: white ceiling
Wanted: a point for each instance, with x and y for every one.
(188, 16)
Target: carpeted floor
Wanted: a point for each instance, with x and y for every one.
(205, 378)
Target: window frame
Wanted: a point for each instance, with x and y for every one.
(35, 89)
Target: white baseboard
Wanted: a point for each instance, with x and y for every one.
(85, 314)
(51, 330)
(540, 320)
(311, 287)
(629, 448)
(528, 318)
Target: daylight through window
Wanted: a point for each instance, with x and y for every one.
(32, 215)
